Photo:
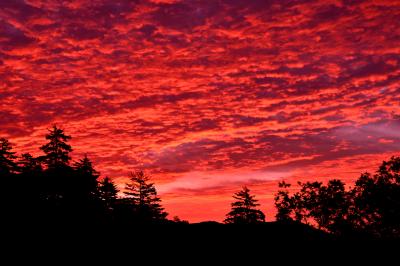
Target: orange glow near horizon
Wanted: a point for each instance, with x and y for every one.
(207, 96)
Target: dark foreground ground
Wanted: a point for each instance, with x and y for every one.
(204, 231)
(190, 244)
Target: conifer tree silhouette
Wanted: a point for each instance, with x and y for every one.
(57, 150)
(29, 164)
(8, 201)
(244, 209)
(143, 196)
(7, 157)
(59, 189)
(87, 177)
(31, 186)
(108, 194)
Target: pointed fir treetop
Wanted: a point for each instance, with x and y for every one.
(57, 150)
(244, 199)
(85, 167)
(107, 190)
(140, 190)
(87, 176)
(143, 195)
(244, 209)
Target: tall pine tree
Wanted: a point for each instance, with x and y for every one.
(59, 188)
(108, 190)
(108, 195)
(244, 209)
(86, 178)
(57, 149)
(143, 196)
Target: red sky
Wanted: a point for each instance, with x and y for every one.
(207, 96)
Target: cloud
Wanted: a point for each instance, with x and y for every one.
(13, 37)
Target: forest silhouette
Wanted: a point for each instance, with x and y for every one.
(53, 190)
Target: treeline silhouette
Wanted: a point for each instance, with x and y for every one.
(51, 189)
(370, 209)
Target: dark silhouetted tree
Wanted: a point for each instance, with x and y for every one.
(371, 208)
(333, 212)
(30, 185)
(29, 164)
(83, 194)
(283, 203)
(108, 194)
(377, 200)
(59, 187)
(7, 157)
(57, 149)
(87, 177)
(9, 181)
(244, 209)
(143, 196)
(326, 206)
